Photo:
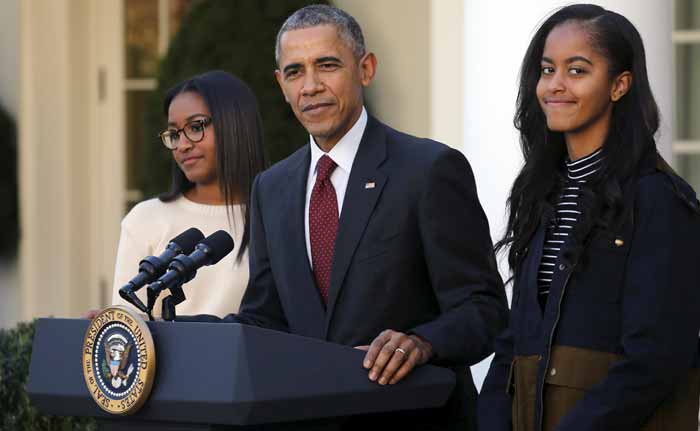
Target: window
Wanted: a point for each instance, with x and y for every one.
(149, 26)
(686, 130)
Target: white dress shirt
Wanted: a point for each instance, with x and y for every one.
(343, 154)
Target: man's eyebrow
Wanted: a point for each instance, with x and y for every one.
(289, 67)
(328, 58)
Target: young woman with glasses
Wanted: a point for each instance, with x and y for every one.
(215, 135)
(603, 240)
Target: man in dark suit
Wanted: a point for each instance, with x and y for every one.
(366, 236)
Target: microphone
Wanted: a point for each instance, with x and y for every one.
(183, 268)
(152, 267)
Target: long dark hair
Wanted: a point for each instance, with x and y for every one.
(240, 153)
(630, 140)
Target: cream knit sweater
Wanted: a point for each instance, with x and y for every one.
(148, 228)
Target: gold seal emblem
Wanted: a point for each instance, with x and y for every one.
(119, 360)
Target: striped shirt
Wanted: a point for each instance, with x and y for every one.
(567, 214)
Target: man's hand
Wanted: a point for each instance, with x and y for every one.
(392, 355)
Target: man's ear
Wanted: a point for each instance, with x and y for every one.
(279, 78)
(621, 86)
(368, 67)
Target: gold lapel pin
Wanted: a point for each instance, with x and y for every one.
(370, 185)
(619, 242)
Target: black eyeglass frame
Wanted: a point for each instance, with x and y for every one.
(203, 123)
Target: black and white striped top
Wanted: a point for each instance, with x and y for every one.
(567, 214)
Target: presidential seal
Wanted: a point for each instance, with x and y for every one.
(119, 360)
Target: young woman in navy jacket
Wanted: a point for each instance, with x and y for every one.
(603, 242)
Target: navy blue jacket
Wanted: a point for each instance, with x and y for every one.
(635, 294)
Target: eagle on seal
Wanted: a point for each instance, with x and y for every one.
(116, 359)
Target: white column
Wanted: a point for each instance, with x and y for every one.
(654, 20)
(447, 72)
(495, 42)
(55, 147)
(42, 172)
(398, 32)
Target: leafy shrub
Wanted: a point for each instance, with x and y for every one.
(16, 410)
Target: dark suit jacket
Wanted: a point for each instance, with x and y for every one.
(412, 254)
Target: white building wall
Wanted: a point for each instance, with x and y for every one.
(495, 41)
(398, 32)
(447, 72)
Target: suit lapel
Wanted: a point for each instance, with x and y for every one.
(358, 205)
(299, 268)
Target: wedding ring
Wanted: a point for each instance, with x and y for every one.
(400, 350)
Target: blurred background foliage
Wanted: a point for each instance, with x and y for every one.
(9, 213)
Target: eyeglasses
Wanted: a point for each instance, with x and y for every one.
(194, 132)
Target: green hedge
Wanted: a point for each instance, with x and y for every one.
(238, 37)
(9, 215)
(16, 410)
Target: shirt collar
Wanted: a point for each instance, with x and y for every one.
(585, 166)
(343, 153)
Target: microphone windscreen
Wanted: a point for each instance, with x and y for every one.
(188, 239)
(220, 243)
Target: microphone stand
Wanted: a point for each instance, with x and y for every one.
(152, 296)
(183, 268)
(177, 295)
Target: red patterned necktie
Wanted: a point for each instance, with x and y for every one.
(323, 224)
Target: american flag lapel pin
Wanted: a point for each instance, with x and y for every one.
(370, 185)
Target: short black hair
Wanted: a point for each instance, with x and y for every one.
(319, 14)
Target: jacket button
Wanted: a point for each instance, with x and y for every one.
(553, 372)
(562, 267)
